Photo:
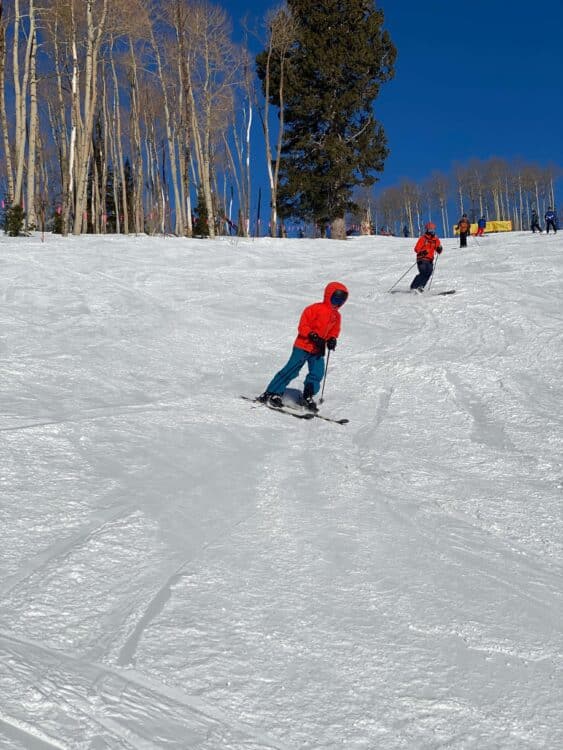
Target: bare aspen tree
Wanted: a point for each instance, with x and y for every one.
(235, 170)
(411, 198)
(282, 32)
(247, 119)
(441, 188)
(460, 177)
(95, 18)
(3, 111)
(495, 176)
(551, 172)
(131, 25)
(389, 208)
(212, 69)
(169, 124)
(136, 145)
(56, 26)
(180, 16)
(21, 92)
(239, 171)
(31, 216)
(151, 106)
(473, 180)
(118, 161)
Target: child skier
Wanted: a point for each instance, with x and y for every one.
(318, 330)
(481, 226)
(550, 220)
(425, 248)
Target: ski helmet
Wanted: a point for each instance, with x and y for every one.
(430, 227)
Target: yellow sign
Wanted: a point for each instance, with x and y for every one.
(492, 226)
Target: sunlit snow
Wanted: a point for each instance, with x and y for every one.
(181, 569)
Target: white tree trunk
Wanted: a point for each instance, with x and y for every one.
(3, 112)
(20, 95)
(95, 31)
(31, 218)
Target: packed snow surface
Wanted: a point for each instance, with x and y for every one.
(183, 569)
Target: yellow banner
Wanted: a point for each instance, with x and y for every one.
(492, 226)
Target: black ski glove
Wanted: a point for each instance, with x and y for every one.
(331, 344)
(319, 343)
(439, 250)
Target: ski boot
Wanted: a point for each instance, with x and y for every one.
(308, 402)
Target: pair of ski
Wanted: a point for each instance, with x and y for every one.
(428, 294)
(295, 412)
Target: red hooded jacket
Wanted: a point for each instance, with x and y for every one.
(426, 246)
(321, 318)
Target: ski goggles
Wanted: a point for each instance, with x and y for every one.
(338, 298)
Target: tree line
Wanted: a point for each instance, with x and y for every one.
(496, 189)
(138, 115)
(142, 116)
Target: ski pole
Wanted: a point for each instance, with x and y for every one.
(324, 379)
(433, 272)
(403, 276)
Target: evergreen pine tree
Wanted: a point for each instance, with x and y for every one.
(201, 224)
(332, 141)
(14, 219)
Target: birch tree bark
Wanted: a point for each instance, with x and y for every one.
(21, 93)
(170, 135)
(212, 72)
(282, 31)
(96, 14)
(31, 215)
(136, 145)
(3, 112)
(119, 163)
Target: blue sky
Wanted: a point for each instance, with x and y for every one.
(475, 79)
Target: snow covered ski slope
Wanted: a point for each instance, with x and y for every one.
(181, 571)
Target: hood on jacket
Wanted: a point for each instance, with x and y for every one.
(330, 288)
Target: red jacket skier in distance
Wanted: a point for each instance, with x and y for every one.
(322, 318)
(428, 244)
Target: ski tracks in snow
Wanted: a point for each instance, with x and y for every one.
(108, 707)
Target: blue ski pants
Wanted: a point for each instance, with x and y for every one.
(424, 273)
(316, 364)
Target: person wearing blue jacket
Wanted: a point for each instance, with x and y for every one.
(550, 220)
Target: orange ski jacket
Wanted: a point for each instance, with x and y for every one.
(322, 318)
(426, 246)
(463, 225)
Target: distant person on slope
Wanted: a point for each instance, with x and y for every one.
(464, 228)
(550, 220)
(425, 248)
(535, 222)
(481, 226)
(318, 330)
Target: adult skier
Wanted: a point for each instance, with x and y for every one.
(535, 222)
(425, 248)
(318, 330)
(550, 220)
(464, 229)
